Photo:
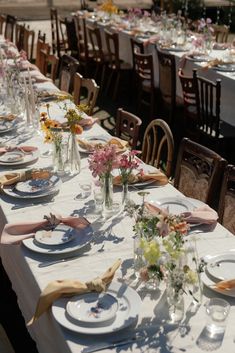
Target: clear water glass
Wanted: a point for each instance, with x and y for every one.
(98, 197)
(217, 311)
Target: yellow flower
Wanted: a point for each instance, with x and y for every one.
(109, 7)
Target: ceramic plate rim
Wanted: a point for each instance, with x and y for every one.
(21, 154)
(12, 127)
(182, 200)
(59, 312)
(90, 138)
(56, 243)
(222, 68)
(97, 321)
(34, 156)
(39, 192)
(216, 258)
(206, 58)
(9, 190)
(208, 283)
(62, 249)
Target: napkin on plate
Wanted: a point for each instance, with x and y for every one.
(13, 178)
(88, 122)
(16, 232)
(8, 117)
(202, 215)
(158, 177)
(225, 285)
(214, 63)
(89, 146)
(60, 288)
(26, 149)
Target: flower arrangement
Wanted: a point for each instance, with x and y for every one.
(103, 160)
(162, 242)
(127, 163)
(109, 7)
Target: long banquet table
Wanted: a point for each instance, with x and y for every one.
(116, 241)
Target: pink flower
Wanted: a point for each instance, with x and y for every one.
(103, 160)
(127, 162)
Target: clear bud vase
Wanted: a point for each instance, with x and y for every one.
(125, 193)
(108, 194)
(58, 160)
(74, 159)
(175, 299)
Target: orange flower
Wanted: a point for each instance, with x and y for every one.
(77, 129)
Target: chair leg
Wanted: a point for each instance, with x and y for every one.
(109, 82)
(116, 86)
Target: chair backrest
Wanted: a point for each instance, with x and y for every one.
(136, 47)
(28, 42)
(198, 171)
(67, 70)
(10, 27)
(19, 36)
(49, 64)
(85, 91)
(167, 79)
(143, 66)
(82, 40)
(55, 35)
(42, 37)
(227, 199)
(72, 41)
(158, 146)
(208, 100)
(41, 47)
(112, 43)
(2, 23)
(127, 127)
(96, 43)
(221, 33)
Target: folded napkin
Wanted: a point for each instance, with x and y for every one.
(60, 288)
(14, 233)
(152, 39)
(203, 214)
(225, 285)
(8, 117)
(89, 146)
(13, 178)
(26, 149)
(88, 122)
(158, 177)
(214, 63)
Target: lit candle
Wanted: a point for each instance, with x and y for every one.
(28, 117)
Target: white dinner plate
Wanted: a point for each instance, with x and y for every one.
(12, 157)
(36, 186)
(94, 139)
(60, 235)
(26, 158)
(6, 126)
(222, 267)
(13, 192)
(81, 239)
(129, 306)
(175, 48)
(93, 308)
(174, 205)
(208, 282)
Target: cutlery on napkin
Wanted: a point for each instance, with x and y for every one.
(88, 122)
(119, 143)
(59, 288)
(15, 177)
(8, 117)
(14, 233)
(225, 285)
(159, 177)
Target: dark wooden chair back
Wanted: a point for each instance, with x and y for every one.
(2, 23)
(143, 66)
(42, 36)
(28, 42)
(85, 91)
(72, 41)
(10, 27)
(198, 171)
(167, 80)
(67, 70)
(127, 127)
(41, 47)
(58, 33)
(112, 43)
(19, 36)
(158, 146)
(227, 199)
(221, 33)
(49, 64)
(96, 43)
(136, 47)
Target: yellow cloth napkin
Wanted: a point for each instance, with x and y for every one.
(13, 178)
(8, 117)
(225, 285)
(158, 177)
(60, 288)
(214, 63)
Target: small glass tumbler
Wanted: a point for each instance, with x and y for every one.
(98, 197)
(217, 312)
(84, 190)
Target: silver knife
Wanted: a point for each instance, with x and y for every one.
(104, 345)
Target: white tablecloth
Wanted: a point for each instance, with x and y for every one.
(28, 280)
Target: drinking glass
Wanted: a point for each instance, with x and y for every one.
(85, 190)
(98, 197)
(217, 311)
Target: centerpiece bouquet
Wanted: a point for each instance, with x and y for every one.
(109, 7)
(206, 31)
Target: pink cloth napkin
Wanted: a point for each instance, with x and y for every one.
(88, 122)
(26, 149)
(16, 232)
(203, 214)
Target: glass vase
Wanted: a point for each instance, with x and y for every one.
(74, 159)
(125, 193)
(175, 299)
(108, 194)
(57, 157)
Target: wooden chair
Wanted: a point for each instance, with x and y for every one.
(72, 41)
(2, 23)
(221, 33)
(136, 47)
(127, 127)
(10, 27)
(42, 37)
(19, 36)
(49, 64)
(68, 68)
(144, 73)
(99, 56)
(41, 47)
(116, 66)
(85, 53)
(28, 42)
(170, 103)
(198, 172)
(57, 33)
(158, 146)
(85, 91)
(227, 199)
